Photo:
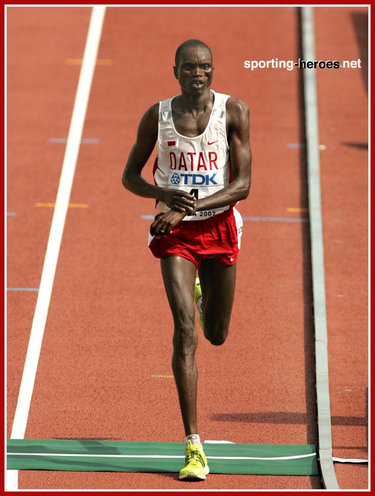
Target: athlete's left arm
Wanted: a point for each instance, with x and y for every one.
(238, 119)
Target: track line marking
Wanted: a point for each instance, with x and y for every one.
(317, 253)
(92, 141)
(22, 289)
(79, 61)
(276, 219)
(349, 460)
(57, 226)
(70, 205)
(160, 375)
(213, 441)
(297, 210)
(11, 480)
(296, 145)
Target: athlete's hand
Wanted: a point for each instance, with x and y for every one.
(178, 200)
(164, 223)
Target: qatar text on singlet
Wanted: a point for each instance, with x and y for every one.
(198, 165)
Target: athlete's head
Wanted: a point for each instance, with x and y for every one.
(190, 44)
(194, 67)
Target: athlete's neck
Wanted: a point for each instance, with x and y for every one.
(197, 104)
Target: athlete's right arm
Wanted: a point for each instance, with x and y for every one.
(133, 181)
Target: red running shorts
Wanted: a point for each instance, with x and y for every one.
(216, 238)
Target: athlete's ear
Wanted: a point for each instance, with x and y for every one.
(175, 72)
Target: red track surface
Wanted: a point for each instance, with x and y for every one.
(109, 329)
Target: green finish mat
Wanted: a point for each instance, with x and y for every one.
(123, 456)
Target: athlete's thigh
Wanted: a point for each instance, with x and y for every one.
(179, 276)
(218, 283)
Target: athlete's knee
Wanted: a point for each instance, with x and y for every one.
(185, 339)
(217, 340)
(216, 335)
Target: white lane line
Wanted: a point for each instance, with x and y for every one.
(349, 460)
(11, 480)
(90, 455)
(58, 221)
(317, 253)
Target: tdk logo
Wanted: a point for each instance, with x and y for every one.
(175, 179)
(194, 179)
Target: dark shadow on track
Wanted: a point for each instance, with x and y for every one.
(360, 146)
(360, 22)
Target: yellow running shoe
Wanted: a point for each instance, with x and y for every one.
(196, 467)
(198, 300)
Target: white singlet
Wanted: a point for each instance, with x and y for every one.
(198, 165)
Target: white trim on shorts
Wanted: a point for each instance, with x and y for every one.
(239, 225)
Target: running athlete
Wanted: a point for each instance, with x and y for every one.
(202, 170)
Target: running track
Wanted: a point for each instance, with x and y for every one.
(108, 330)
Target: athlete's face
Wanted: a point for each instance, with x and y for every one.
(195, 70)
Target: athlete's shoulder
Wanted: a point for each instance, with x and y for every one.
(149, 121)
(238, 116)
(153, 111)
(237, 106)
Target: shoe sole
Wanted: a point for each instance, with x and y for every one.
(192, 476)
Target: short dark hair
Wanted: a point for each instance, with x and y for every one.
(189, 44)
